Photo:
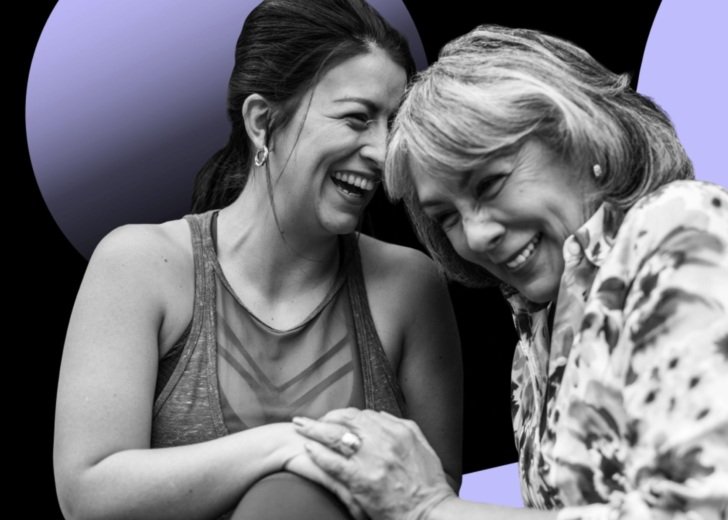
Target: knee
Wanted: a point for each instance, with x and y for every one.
(285, 496)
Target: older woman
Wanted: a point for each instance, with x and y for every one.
(526, 163)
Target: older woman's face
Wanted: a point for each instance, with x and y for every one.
(511, 216)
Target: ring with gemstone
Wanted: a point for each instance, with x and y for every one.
(351, 442)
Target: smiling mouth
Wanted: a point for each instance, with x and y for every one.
(353, 184)
(524, 254)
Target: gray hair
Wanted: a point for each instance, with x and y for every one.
(495, 87)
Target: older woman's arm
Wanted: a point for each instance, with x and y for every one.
(395, 475)
(456, 509)
(673, 353)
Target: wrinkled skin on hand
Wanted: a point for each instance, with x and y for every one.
(394, 475)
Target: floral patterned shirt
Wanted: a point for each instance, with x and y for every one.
(623, 412)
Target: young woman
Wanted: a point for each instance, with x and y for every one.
(193, 342)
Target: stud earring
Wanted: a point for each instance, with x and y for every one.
(597, 170)
(261, 156)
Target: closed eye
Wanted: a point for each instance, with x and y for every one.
(446, 219)
(490, 186)
(358, 120)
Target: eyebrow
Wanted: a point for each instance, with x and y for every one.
(371, 106)
(463, 180)
(430, 203)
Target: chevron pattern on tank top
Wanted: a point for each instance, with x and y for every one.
(266, 375)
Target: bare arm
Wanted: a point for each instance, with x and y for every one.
(395, 474)
(102, 461)
(431, 372)
(412, 310)
(454, 508)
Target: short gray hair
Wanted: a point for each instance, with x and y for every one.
(495, 87)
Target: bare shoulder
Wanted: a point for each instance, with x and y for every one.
(145, 248)
(391, 260)
(145, 262)
(400, 270)
(150, 269)
(403, 288)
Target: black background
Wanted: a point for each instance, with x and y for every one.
(43, 270)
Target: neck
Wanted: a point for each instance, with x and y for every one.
(279, 258)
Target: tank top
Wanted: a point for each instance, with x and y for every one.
(225, 374)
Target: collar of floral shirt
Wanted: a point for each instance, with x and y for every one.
(593, 240)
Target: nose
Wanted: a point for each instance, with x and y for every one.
(375, 144)
(482, 232)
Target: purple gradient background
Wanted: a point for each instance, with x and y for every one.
(125, 103)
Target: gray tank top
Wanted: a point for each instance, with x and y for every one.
(222, 376)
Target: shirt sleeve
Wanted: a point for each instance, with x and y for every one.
(672, 360)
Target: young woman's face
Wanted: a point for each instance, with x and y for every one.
(332, 152)
(511, 216)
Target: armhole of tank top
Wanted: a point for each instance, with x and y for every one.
(192, 332)
(369, 343)
(357, 399)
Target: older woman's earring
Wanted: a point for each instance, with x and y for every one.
(597, 171)
(261, 156)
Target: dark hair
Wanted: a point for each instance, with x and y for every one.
(284, 47)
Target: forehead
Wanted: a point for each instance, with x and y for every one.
(373, 76)
(433, 187)
(529, 154)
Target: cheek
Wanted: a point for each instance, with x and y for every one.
(556, 260)
(331, 152)
(334, 138)
(460, 245)
(457, 241)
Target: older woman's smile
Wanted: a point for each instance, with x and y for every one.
(519, 259)
(528, 198)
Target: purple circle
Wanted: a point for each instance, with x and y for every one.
(126, 101)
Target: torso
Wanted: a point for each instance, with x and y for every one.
(380, 277)
(603, 406)
(191, 407)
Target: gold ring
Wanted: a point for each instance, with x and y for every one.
(351, 441)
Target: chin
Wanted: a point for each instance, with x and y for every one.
(341, 224)
(539, 293)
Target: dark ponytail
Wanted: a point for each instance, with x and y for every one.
(220, 179)
(284, 47)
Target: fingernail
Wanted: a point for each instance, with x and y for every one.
(300, 421)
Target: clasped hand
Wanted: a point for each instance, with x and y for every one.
(392, 474)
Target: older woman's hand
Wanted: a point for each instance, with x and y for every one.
(387, 464)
